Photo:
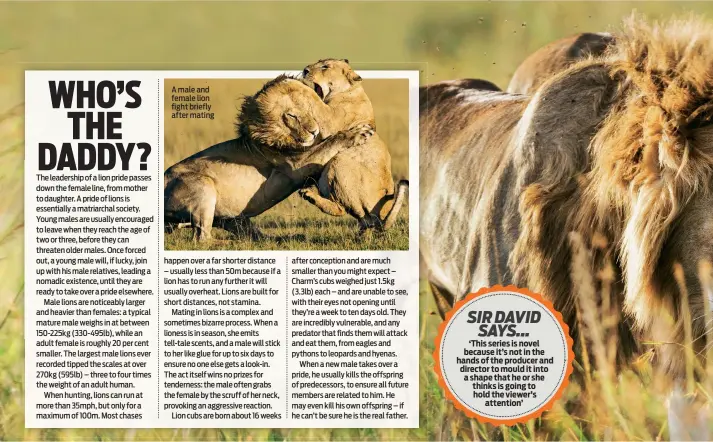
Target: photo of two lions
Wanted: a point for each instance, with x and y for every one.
(311, 139)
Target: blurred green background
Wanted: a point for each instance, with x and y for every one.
(443, 40)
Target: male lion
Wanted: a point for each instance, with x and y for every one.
(272, 157)
(610, 161)
(555, 57)
(357, 181)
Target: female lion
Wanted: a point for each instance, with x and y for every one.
(357, 181)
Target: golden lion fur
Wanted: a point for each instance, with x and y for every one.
(357, 181)
(617, 149)
(554, 58)
(277, 150)
(650, 156)
(261, 115)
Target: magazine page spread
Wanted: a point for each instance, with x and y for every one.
(356, 221)
(144, 312)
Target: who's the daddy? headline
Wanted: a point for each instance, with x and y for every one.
(95, 125)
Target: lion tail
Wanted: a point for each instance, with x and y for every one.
(399, 194)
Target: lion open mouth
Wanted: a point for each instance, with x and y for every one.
(318, 89)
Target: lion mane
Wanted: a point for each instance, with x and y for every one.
(260, 118)
(598, 184)
(623, 193)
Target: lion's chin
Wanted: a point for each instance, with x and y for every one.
(307, 143)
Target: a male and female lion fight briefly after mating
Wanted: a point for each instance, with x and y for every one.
(315, 134)
(591, 182)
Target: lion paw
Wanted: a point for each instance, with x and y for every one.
(361, 134)
(307, 194)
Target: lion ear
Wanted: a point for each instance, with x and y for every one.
(352, 76)
(345, 60)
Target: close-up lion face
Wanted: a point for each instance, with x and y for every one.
(296, 115)
(284, 114)
(330, 76)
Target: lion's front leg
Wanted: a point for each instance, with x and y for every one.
(291, 176)
(311, 194)
(278, 186)
(311, 163)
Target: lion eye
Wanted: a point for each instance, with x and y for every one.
(325, 67)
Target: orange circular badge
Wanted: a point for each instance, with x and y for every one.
(503, 355)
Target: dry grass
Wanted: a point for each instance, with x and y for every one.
(606, 403)
(11, 248)
(293, 224)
